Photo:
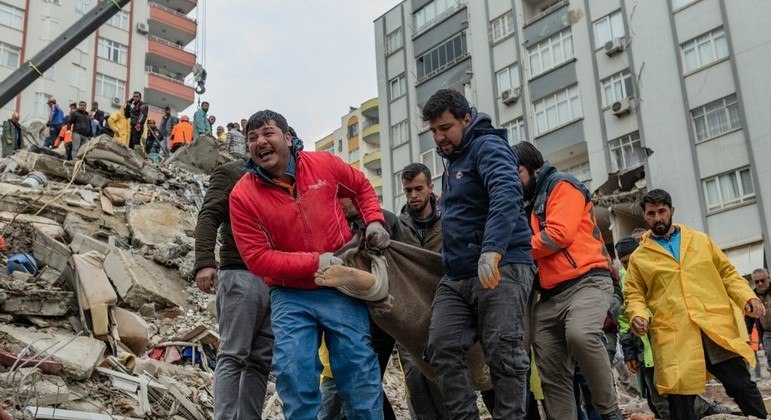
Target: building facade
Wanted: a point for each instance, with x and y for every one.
(141, 48)
(626, 95)
(357, 142)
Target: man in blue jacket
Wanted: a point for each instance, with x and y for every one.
(486, 256)
(55, 121)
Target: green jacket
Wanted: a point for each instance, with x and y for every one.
(627, 338)
(9, 134)
(425, 234)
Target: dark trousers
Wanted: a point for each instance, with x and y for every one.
(735, 377)
(52, 133)
(135, 139)
(383, 344)
(463, 313)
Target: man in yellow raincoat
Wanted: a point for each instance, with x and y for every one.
(695, 295)
(119, 125)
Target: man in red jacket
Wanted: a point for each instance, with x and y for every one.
(287, 222)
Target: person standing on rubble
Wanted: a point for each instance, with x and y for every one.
(201, 125)
(288, 222)
(488, 271)
(182, 134)
(243, 304)
(235, 143)
(80, 127)
(119, 125)
(54, 124)
(136, 112)
(11, 135)
(168, 122)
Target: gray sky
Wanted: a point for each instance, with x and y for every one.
(306, 59)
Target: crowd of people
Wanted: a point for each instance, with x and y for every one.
(130, 126)
(526, 274)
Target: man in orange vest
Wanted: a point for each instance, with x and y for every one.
(65, 134)
(182, 134)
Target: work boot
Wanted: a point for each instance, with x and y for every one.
(615, 415)
(715, 408)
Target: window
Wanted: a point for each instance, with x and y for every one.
(9, 55)
(557, 109)
(50, 74)
(716, 118)
(393, 41)
(508, 78)
(120, 20)
(398, 87)
(110, 87)
(516, 131)
(399, 133)
(111, 50)
(397, 184)
(78, 77)
(50, 29)
(82, 6)
(40, 104)
(581, 171)
(617, 87)
(434, 163)
(353, 156)
(432, 11)
(608, 28)
(353, 130)
(704, 50)
(551, 52)
(626, 153)
(502, 27)
(676, 4)
(442, 56)
(729, 189)
(11, 16)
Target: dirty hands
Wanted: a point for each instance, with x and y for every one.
(639, 326)
(376, 235)
(632, 365)
(755, 308)
(206, 280)
(326, 260)
(487, 269)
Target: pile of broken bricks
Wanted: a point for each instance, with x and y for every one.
(108, 324)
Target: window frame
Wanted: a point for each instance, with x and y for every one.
(103, 79)
(121, 18)
(399, 81)
(15, 14)
(743, 197)
(579, 166)
(701, 112)
(609, 20)
(6, 51)
(436, 167)
(621, 143)
(354, 155)
(547, 46)
(516, 125)
(436, 13)
(571, 93)
(624, 77)
(402, 127)
(76, 71)
(694, 45)
(425, 62)
(506, 22)
(390, 44)
(82, 6)
(509, 70)
(106, 48)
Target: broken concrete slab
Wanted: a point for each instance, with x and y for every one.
(105, 153)
(104, 227)
(199, 156)
(139, 281)
(49, 390)
(36, 302)
(156, 223)
(45, 225)
(157, 368)
(95, 287)
(58, 168)
(50, 251)
(132, 329)
(82, 244)
(79, 355)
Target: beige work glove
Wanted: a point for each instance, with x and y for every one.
(487, 269)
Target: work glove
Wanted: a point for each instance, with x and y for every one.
(327, 260)
(487, 269)
(377, 237)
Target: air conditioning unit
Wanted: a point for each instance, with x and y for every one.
(142, 28)
(622, 107)
(614, 45)
(510, 96)
(116, 102)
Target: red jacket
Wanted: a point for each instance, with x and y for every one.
(280, 235)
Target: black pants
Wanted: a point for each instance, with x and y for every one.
(135, 139)
(463, 313)
(383, 344)
(735, 377)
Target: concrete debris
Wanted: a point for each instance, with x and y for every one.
(43, 224)
(105, 153)
(59, 414)
(132, 329)
(49, 251)
(82, 244)
(156, 223)
(139, 281)
(199, 156)
(36, 302)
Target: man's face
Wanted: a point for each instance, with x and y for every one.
(658, 217)
(448, 131)
(761, 282)
(15, 117)
(418, 192)
(212, 119)
(137, 97)
(269, 148)
(205, 107)
(167, 111)
(82, 106)
(625, 261)
(220, 130)
(243, 124)
(94, 107)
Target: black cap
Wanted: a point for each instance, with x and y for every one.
(626, 246)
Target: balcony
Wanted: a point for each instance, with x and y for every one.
(168, 56)
(181, 6)
(371, 132)
(171, 25)
(370, 108)
(377, 182)
(372, 160)
(167, 89)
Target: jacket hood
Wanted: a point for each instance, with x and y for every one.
(294, 151)
(547, 169)
(479, 121)
(407, 211)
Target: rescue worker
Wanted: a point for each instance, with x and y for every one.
(696, 298)
(65, 136)
(119, 124)
(11, 135)
(181, 134)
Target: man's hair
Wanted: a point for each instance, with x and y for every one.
(414, 169)
(229, 126)
(261, 118)
(204, 103)
(291, 131)
(446, 100)
(73, 105)
(760, 271)
(528, 156)
(95, 103)
(167, 108)
(82, 102)
(657, 196)
(136, 92)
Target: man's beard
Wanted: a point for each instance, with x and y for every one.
(661, 229)
(528, 190)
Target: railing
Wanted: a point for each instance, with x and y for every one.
(550, 9)
(369, 122)
(165, 74)
(447, 65)
(169, 43)
(162, 7)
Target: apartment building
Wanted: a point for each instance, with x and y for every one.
(357, 142)
(627, 95)
(141, 48)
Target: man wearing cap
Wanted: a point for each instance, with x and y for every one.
(55, 118)
(182, 134)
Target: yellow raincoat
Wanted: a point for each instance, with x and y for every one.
(119, 125)
(701, 292)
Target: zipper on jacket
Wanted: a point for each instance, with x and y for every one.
(299, 209)
(569, 258)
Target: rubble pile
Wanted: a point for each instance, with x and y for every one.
(99, 317)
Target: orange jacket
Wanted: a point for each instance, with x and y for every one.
(570, 244)
(181, 134)
(64, 134)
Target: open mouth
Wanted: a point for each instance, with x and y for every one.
(265, 154)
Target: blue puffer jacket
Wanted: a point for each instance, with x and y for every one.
(482, 202)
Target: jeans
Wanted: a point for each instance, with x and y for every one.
(298, 318)
(52, 133)
(78, 141)
(243, 363)
(463, 313)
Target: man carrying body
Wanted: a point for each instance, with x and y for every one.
(243, 305)
(486, 256)
(136, 112)
(288, 221)
(575, 284)
(201, 123)
(695, 294)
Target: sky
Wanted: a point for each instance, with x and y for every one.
(306, 59)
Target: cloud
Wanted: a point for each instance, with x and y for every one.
(308, 60)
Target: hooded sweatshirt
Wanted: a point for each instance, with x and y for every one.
(481, 202)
